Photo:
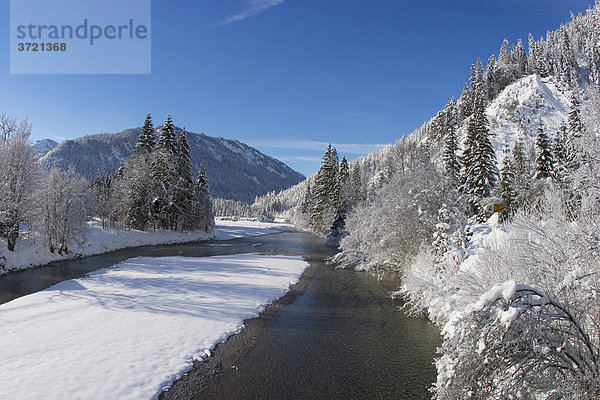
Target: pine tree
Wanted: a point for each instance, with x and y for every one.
(532, 60)
(183, 192)
(544, 160)
(306, 203)
(164, 175)
(575, 132)
(491, 78)
(479, 169)
(521, 173)
(520, 59)
(146, 140)
(168, 138)
(341, 195)
(323, 190)
(507, 181)
(203, 204)
(506, 66)
(464, 103)
(450, 155)
(560, 153)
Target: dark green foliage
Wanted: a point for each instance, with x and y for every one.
(544, 161)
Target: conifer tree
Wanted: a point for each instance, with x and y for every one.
(544, 160)
(479, 169)
(146, 140)
(450, 155)
(203, 203)
(560, 152)
(168, 139)
(575, 132)
(164, 175)
(507, 180)
(491, 78)
(521, 173)
(306, 203)
(520, 59)
(183, 192)
(323, 190)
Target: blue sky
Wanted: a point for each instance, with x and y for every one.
(287, 76)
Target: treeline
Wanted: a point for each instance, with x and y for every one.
(154, 189)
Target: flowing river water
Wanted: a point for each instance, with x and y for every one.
(339, 337)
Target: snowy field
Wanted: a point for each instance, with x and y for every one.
(128, 332)
(30, 252)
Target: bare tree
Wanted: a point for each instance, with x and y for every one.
(62, 209)
(18, 176)
(8, 127)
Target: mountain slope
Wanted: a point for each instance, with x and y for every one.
(235, 170)
(43, 146)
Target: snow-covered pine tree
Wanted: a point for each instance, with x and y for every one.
(450, 154)
(323, 191)
(544, 160)
(506, 66)
(183, 192)
(164, 175)
(168, 138)
(479, 158)
(520, 59)
(146, 140)
(491, 78)
(340, 204)
(356, 186)
(203, 204)
(507, 180)
(560, 153)
(441, 243)
(464, 104)
(574, 134)
(306, 203)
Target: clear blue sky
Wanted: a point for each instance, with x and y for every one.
(287, 76)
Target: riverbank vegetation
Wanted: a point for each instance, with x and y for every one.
(489, 212)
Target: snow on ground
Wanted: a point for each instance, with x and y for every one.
(31, 252)
(518, 109)
(129, 331)
(227, 229)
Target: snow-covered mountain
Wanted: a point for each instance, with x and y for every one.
(43, 146)
(519, 108)
(235, 170)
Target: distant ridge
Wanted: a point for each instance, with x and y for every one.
(235, 170)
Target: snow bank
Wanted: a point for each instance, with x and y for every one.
(32, 252)
(129, 331)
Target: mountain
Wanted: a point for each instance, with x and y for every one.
(235, 170)
(43, 146)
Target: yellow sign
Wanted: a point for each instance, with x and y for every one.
(498, 207)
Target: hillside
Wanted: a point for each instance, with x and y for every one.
(235, 171)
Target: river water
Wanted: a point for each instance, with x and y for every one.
(343, 338)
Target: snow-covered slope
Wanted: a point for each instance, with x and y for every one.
(519, 108)
(43, 146)
(235, 170)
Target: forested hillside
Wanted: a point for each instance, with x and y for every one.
(234, 170)
(489, 213)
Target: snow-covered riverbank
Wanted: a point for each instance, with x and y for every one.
(128, 332)
(32, 252)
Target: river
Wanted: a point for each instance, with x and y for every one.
(341, 336)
